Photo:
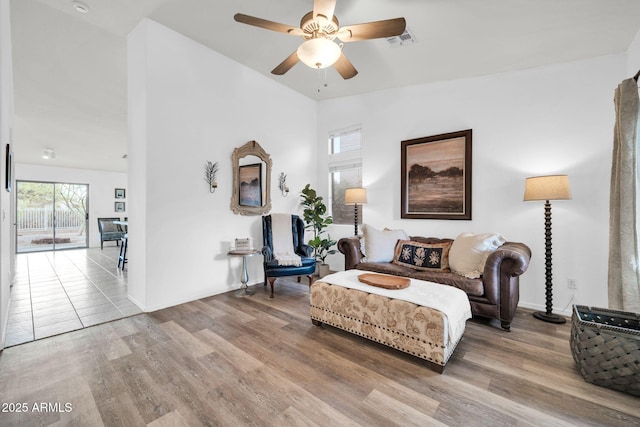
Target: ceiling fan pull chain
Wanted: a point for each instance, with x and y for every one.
(320, 77)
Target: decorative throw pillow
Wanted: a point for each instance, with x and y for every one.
(379, 245)
(469, 252)
(422, 256)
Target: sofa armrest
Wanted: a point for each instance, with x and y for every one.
(509, 261)
(350, 247)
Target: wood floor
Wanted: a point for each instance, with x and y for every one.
(232, 361)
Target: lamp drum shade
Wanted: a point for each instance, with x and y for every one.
(353, 196)
(550, 187)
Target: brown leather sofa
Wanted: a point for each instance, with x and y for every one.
(494, 295)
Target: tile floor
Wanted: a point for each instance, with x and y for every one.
(57, 292)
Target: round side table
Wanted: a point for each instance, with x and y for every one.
(244, 289)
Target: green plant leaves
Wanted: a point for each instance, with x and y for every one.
(316, 219)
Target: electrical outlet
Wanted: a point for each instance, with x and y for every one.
(572, 283)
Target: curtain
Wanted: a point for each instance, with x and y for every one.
(624, 264)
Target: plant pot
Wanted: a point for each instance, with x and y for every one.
(317, 271)
(324, 270)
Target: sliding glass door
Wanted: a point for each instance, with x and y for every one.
(51, 216)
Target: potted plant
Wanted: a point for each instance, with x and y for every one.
(322, 247)
(316, 217)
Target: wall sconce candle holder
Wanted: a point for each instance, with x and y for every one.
(210, 172)
(282, 184)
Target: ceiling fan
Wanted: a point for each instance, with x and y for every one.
(319, 28)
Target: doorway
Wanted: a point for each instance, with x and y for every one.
(51, 216)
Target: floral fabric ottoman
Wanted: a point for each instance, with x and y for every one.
(426, 319)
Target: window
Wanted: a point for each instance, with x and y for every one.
(345, 171)
(345, 141)
(341, 179)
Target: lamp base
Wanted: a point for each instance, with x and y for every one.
(549, 317)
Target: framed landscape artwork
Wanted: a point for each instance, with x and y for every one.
(251, 185)
(436, 176)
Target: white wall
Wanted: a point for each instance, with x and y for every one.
(556, 119)
(188, 105)
(6, 119)
(102, 185)
(633, 56)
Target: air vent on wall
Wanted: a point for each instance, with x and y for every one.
(403, 39)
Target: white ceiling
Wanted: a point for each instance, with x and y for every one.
(70, 68)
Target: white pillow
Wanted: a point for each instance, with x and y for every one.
(379, 245)
(469, 252)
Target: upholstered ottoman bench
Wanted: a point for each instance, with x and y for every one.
(426, 319)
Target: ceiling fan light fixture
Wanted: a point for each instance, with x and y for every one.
(319, 53)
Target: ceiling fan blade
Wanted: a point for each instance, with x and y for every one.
(287, 64)
(345, 67)
(324, 8)
(269, 25)
(372, 30)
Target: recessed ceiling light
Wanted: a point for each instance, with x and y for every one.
(80, 7)
(49, 154)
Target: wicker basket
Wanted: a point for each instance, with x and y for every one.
(606, 346)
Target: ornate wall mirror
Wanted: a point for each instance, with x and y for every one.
(251, 180)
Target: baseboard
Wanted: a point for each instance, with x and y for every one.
(537, 307)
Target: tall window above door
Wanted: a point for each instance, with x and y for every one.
(345, 171)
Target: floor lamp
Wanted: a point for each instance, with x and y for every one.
(355, 197)
(551, 187)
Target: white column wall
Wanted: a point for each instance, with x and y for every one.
(188, 105)
(556, 119)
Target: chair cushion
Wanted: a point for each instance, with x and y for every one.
(306, 262)
(274, 270)
(116, 235)
(474, 287)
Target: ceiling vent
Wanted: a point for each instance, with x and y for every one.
(406, 38)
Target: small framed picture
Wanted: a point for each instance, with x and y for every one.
(120, 193)
(119, 206)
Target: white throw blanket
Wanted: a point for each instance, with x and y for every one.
(283, 241)
(450, 301)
